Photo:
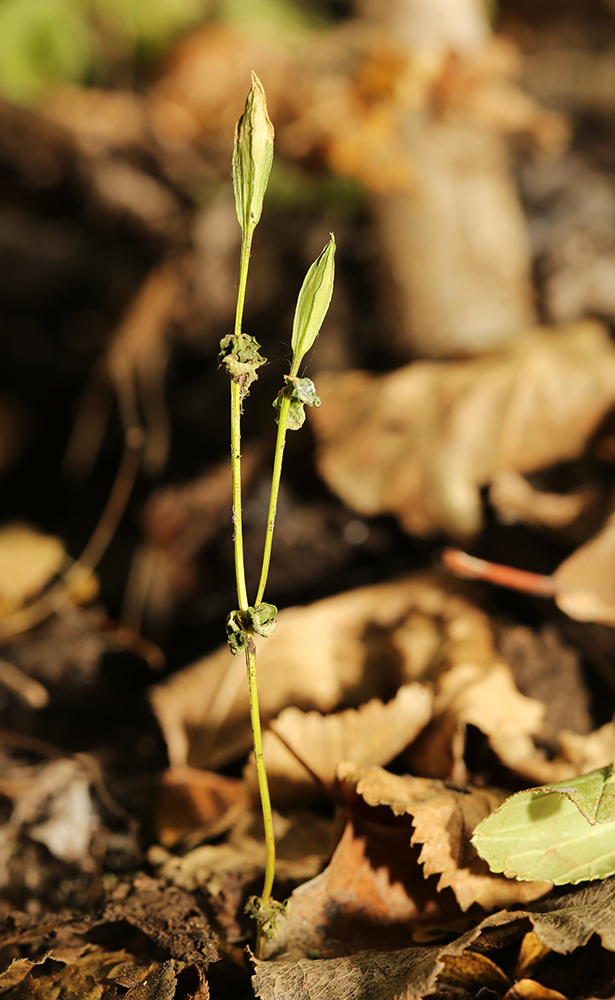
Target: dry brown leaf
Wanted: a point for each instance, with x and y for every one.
(577, 753)
(443, 818)
(197, 804)
(529, 989)
(372, 894)
(93, 977)
(341, 650)
(473, 971)
(377, 975)
(17, 970)
(516, 500)
(169, 916)
(531, 952)
(585, 581)
(303, 842)
(588, 752)
(485, 697)
(421, 442)
(563, 924)
(28, 561)
(373, 734)
(347, 649)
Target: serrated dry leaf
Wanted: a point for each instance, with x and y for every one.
(347, 649)
(381, 883)
(421, 442)
(372, 894)
(443, 818)
(342, 650)
(375, 733)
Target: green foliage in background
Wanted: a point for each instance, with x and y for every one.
(84, 41)
(44, 41)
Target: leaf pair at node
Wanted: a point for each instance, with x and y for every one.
(240, 355)
(301, 392)
(262, 620)
(267, 914)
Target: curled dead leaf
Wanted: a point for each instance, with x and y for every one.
(421, 442)
(485, 697)
(529, 989)
(375, 733)
(516, 500)
(341, 650)
(563, 924)
(443, 818)
(585, 581)
(197, 805)
(303, 842)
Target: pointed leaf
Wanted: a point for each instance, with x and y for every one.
(313, 302)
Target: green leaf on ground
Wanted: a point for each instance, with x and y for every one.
(561, 833)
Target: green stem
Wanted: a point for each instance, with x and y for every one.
(244, 261)
(263, 786)
(240, 571)
(273, 496)
(275, 488)
(236, 407)
(242, 597)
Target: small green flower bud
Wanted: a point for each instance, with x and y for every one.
(252, 157)
(313, 302)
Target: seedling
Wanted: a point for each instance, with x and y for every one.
(240, 353)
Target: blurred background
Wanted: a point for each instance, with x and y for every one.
(461, 150)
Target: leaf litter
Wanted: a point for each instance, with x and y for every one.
(404, 869)
(421, 442)
(388, 896)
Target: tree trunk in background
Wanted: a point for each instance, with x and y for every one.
(456, 251)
